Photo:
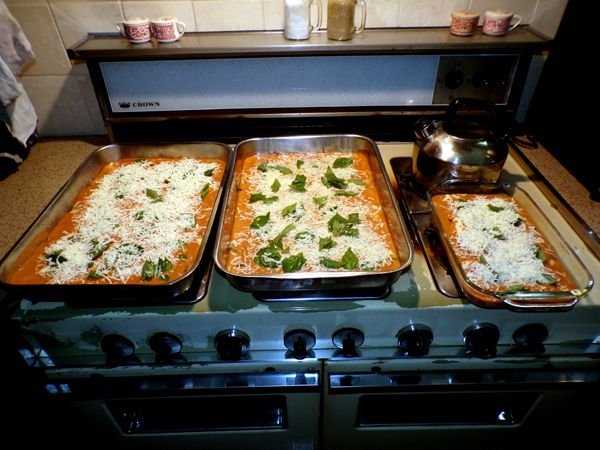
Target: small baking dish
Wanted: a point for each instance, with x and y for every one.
(566, 278)
(62, 204)
(317, 278)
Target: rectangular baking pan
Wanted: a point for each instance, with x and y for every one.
(63, 202)
(313, 281)
(521, 300)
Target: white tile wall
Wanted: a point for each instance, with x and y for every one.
(428, 13)
(57, 88)
(182, 10)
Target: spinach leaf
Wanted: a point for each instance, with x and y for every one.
(340, 226)
(268, 257)
(148, 270)
(349, 260)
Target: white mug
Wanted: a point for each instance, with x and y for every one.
(167, 29)
(136, 29)
(499, 22)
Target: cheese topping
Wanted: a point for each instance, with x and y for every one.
(498, 246)
(309, 212)
(138, 221)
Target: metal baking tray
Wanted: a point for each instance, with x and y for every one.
(63, 202)
(321, 280)
(520, 300)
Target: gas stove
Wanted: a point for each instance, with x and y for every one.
(336, 357)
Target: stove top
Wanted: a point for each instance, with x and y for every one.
(418, 298)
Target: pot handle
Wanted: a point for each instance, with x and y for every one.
(469, 103)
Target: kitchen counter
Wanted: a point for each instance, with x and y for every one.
(52, 162)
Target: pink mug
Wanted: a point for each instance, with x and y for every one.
(136, 29)
(167, 29)
(463, 23)
(499, 22)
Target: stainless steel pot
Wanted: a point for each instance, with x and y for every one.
(457, 148)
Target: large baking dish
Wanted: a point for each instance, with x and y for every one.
(315, 280)
(63, 202)
(521, 300)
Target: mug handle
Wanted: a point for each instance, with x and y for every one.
(363, 17)
(118, 27)
(182, 29)
(518, 20)
(319, 14)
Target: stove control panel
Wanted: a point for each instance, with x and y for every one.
(487, 77)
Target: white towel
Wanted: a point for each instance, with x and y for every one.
(15, 52)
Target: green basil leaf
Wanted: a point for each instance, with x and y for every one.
(299, 184)
(482, 259)
(260, 221)
(209, 172)
(547, 279)
(331, 180)
(289, 209)
(299, 164)
(277, 241)
(327, 242)
(320, 201)
(94, 274)
(284, 170)
(139, 215)
(259, 197)
(293, 263)
(539, 254)
(340, 226)
(495, 208)
(152, 194)
(357, 181)
(304, 236)
(513, 289)
(276, 185)
(204, 191)
(263, 166)
(342, 162)
(349, 260)
(331, 263)
(130, 249)
(55, 258)
(97, 249)
(345, 193)
(267, 257)
(148, 270)
(164, 265)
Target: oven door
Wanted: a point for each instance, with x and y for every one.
(244, 404)
(458, 402)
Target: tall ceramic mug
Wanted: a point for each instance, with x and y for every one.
(298, 24)
(167, 29)
(136, 29)
(499, 22)
(340, 19)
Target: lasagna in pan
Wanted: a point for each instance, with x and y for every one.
(309, 212)
(139, 221)
(497, 244)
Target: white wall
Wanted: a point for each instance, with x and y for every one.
(61, 90)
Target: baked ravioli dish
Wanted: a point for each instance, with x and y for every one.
(139, 221)
(308, 212)
(497, 244)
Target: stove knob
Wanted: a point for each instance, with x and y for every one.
(299, 342)
(531, 337)
(454, 79)
(165, 345)
(348, 339)
(415, 339)
(481, 339)
(232, 344)
(117, 347)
